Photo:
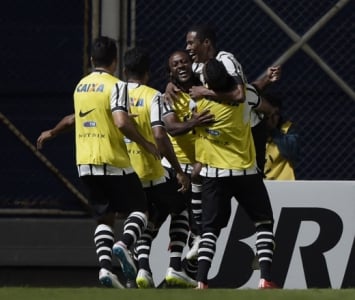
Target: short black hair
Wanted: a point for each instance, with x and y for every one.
(103, 51)
(217, 77)
(204, 32)
(137, 62)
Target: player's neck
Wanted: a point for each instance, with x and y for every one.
(101, 69)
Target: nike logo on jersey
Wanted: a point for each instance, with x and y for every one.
(83, 114)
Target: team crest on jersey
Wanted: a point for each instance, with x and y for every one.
(90, 87)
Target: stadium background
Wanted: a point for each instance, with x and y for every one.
(45, 52)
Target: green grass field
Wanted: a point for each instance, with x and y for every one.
(30, 293)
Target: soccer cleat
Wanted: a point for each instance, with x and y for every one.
(109, 279)
(144, 279)
(265, 284)
(193, 252)
(201, 286)
(179, 279)
(126, 261)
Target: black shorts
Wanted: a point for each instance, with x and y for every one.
(164, 199)
(249, 191)
(123, 194)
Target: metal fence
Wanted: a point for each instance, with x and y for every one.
(46, 50)
(312, 40)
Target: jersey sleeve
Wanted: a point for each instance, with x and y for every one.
(168, 108)
(232, 65)
(252, 96)
(119, 97)
(156, 111)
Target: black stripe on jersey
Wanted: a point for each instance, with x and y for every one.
(126, 95)
(117, 94)
(90, 169)
(105, 169)
(186, 168)
(159, 97)
(167, 108)
(117, 107)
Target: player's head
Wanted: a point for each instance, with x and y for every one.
(217, 77)
(180, 67)
(137, 63)
(104, 53)
(201, 43)
(275, 100)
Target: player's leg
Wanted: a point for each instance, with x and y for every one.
(99, 197)
(142, 249)
(178, 232)
(196, 213)
(131, 198)
(216, 209)
(257, 205)
(168, 201)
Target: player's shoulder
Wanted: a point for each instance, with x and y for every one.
(222, 55)
(152, 90)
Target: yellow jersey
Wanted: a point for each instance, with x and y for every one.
(276, 166)
(184, 144)
(145, 106)
(98, 140)
(227, 143)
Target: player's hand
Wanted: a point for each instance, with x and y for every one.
(202, 118)
(198, 92)
(45, 135)
(273, 73)
(184, 181)
(170, 95)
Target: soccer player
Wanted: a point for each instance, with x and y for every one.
(164, 189)
(181, 119)
(227, 153)
(101, 121)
